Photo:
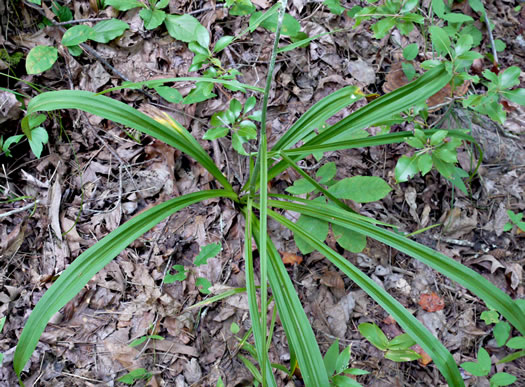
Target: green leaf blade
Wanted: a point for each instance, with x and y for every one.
(40, 59)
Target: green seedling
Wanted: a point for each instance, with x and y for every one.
(395, 13)
(482, 368)
(142, 339)
(397, 349)
(435, 149)
(135, 375)
(181, 273)
(515, 220)
(238, 121)
(499, 88)
(337, 366)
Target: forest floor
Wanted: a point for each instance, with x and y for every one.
(92, 177)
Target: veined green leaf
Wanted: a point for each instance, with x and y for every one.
(169, 132)
(468, 278)
(82, 269)
(430, 344)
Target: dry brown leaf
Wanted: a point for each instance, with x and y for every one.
(431, 302)
(290, 258)
(54, 208)
(425, 358)
(332, 279)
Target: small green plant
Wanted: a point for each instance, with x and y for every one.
(145, 338)
(135, 375)
(337, 366)
(36, 134)
(397, 349)
(482, 368)
(453, 45)
(435, 149)
(42, 58)
(515, 220)
(4, 145)
(257, 204)
(237, 121)
(501, 332)
(181, 273)
(394, 13)
(498, 89)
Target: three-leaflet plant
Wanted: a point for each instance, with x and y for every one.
(324, 208)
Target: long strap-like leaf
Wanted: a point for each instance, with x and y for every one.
(468, 278)
(379, 110)
(90, 262)
(315, 117)
(417, 331)
(293, 318)
(117, 111)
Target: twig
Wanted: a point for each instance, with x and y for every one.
(197, 11)
(78, 21)
(491, 37)
(16, 210)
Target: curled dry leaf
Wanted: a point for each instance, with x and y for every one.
(431, 302)
(290, 258)
(396, 78)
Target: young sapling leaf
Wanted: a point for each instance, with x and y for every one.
(481, 367)
(300, 186)
(410, 51)
(342, 360)
(179, 276)
(124, 5)
(326, 172)
(234, 328)
(409, 70)
(375, 335)
(362, 189)
(501, 332)
(40, 59)
(203, 285)
(249, 104)
(502, 379)
(516, 343)
(330, 358)
(207, 252)
(401, 342)
(402, 355)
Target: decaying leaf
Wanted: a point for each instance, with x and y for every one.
(425, 358)
(431, 302)
(290, 258)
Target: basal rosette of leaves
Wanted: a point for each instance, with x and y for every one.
(323, 209)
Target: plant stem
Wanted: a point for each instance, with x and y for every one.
(261, 168)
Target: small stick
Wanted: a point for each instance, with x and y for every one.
(16, 210)
(78, 21)
(491, 37)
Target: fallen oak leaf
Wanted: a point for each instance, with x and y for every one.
(431, 302)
